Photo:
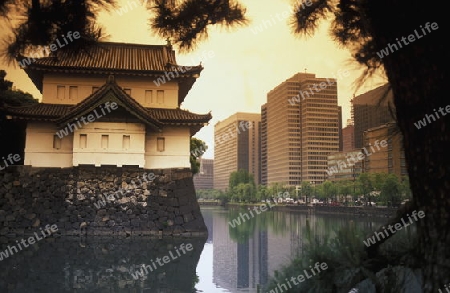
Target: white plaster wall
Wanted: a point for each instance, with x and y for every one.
(39, 151)
(115, 153)
(177, 149)
(138, 86)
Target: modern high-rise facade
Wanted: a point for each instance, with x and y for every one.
(204, 178)
(341, 139)
(371, 109)
(264, 144)
(388, 159)
(237, 146)
(348, 136)
(344, 166)
(300, 125)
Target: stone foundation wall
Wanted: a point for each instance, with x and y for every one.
(107, 200)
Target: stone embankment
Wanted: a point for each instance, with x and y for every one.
(361, 211)
(107, 200)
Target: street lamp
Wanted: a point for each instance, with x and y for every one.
(354, 181)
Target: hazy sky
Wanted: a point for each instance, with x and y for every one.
(240, 65)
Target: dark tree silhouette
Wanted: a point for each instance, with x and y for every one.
(188, 22)
(37, 23)
(12, 132)
(44, 21)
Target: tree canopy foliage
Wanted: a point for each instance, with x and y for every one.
(197, 148)
(11, 131)
(45, 21)
(184, 22)
(12, 97)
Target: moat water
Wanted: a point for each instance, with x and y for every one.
(232, 260)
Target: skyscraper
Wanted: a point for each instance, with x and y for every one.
(264, 144)
(341, 138)
(300, 126)
(204, 178)
(389, 159)
(237, 146)
(371, 109)
(348, 136)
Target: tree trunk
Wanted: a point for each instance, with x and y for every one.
(418, 73)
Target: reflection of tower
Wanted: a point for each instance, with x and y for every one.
(257, 264)
(243, 263)
(208, 218)
(286, 240)
(239, 266)
(297, 235)
(262, 260)
(224, 254)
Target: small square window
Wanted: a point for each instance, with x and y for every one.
(56, 142)
(95, 88)
(83, 141)
(160, 97)
(160, 144)
(148, 96)
(127, 91)
(61, 92)
(105, 141)
(73, 92)
(126, 142)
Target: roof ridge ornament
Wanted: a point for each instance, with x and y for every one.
(111, 79)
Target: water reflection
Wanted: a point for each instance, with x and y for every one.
(101, 265)
(246, 256)
(231, 259)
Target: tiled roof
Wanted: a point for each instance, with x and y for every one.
(110, 58)
(110, 92)
(52, 112)
(113, 56)
(48, 112)
(154, 117)
(178, 115)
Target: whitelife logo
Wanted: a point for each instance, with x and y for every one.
(27, 242)
(131, 5)
(12, 159)
(237, 221)
(411, 38)
(341, 165)
(47, 49)
(422, 123)
(397, 226)
(281, 16)
(317, 87)
(166, 259)
(170, 75)
(243, 126)
(447, 289)
(318, 268)
(71, 127)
